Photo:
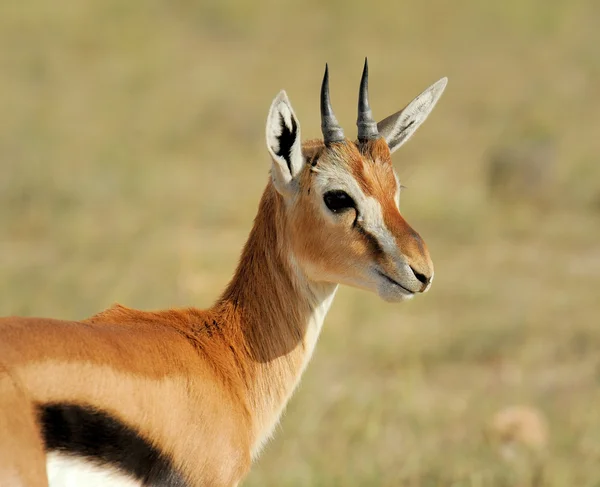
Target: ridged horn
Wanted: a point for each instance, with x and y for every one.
(367, 127)
(332, 132)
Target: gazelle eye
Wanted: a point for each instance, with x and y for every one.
(338, 200)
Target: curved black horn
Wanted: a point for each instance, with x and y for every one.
(332, 132)
(367, 127)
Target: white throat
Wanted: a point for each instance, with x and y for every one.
(316, 319)
(320, 297)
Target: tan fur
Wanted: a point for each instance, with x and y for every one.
(206, 386)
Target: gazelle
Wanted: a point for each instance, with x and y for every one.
(188, 397)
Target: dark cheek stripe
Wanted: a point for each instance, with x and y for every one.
(96, 435)
(372, 242)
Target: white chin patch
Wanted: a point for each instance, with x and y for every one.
(72, 471)
(393, 294)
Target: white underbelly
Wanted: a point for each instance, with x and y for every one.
(73, 471)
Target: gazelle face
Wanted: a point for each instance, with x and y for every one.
(342, 197)
(346, 225)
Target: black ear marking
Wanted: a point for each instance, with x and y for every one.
(286, 140)
(401, 134)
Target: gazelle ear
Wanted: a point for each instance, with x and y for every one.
(283, 142)
(399, 127)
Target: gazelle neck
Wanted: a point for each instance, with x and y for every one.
(279, 312)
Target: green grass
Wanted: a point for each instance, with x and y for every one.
(132, 159)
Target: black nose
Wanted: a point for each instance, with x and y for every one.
(423, 279)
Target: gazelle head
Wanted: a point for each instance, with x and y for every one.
(341, 197)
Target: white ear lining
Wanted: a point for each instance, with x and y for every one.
(284, 141)
(399, 127)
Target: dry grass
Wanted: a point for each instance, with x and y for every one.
(132, 160)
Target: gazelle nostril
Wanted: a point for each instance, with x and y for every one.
(421, 277)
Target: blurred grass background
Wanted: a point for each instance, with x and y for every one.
(132, 159)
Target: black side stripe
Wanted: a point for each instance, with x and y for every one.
(82, 430)
(286, 140)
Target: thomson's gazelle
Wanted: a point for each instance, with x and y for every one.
(187, 397)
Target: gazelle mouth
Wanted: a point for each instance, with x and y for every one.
(394, 282)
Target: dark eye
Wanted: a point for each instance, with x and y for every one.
(338, 200)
